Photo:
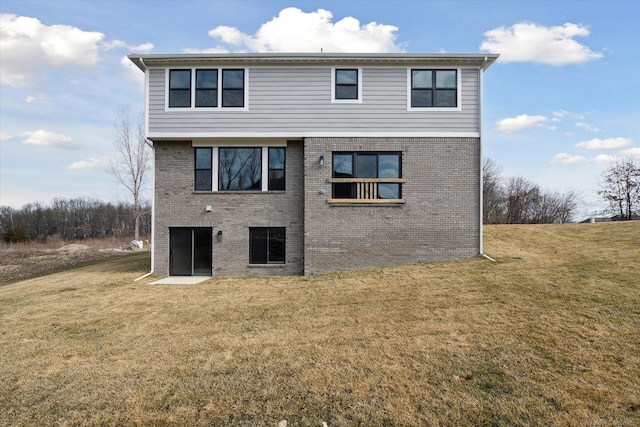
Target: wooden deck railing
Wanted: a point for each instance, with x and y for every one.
(366, 189)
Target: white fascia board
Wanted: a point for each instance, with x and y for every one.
(262, 135)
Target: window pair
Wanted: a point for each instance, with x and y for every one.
(434, 88)
(267, 245)
(206, 85)
(240, 169)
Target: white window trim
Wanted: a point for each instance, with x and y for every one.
(333, 87)
(427, 109)
(193, 90)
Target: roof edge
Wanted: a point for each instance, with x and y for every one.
(475, 59)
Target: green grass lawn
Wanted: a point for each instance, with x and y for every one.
(549, 334)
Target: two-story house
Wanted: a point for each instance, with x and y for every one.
(289, 163)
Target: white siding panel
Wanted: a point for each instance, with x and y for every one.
(299, 100)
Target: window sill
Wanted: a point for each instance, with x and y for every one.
(266, 265)
(359, 202)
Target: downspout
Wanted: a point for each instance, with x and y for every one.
(153, 173)
(481, 97)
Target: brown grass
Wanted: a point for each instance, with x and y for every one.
(547, 335)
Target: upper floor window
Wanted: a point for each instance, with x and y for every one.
(367, 176)
(207, 88)
(434, 88)
(233, 88)
(180, 88)
(346, 85)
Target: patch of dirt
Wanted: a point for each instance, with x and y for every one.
(19, 264)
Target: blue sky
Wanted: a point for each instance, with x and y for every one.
(562, 101)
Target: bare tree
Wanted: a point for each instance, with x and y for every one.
(620, 187)
(493, 197)
(522, 195)
(132, 159)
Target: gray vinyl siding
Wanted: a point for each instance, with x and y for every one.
(286, 100)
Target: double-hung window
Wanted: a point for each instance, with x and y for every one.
(346, 85)
(267, 245)
(434, 88)
(179, 88)
(367, 176)
(233, 88)
(203, 169)
(207, 88)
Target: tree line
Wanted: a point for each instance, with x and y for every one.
(74, 219)
(517, 200)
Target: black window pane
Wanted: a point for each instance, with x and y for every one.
(349, 77)
(367, 166)
(344, 191)
(389, 191)
(276, 245)
(446, 79)
(240, 169)
(203, 158)
(232, 79)
(233, 98)
(346, 92)
(206, 79)
(258, 245)
(421, 79)
(206, 97)
(203, 180)
(389, 166)
(276, 180)
(343, 166)
(276, 158)
(179, 98)
(180, 79)
(421, 98)
(445, 98)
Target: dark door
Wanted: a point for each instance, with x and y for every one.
(190, 251)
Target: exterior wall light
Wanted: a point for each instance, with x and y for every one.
(219, 236)
(321, 161)
(207, 208)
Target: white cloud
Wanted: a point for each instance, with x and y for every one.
(48, 139)
(521, 122)
(90, 164)
(296, 31)
(604, 144)
(633, 152)
(568, 159)
(217, 49)
(28, 47)
(587, 126)
(30, 99)
(605, 159)
(119, 44)
(4, 136)
(527, 41)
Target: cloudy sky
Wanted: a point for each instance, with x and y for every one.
(562, 101)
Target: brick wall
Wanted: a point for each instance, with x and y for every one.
(177, 205)
(440, 219)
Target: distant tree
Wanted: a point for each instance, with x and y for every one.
(493, 197)
(522, 196)
(620, 187)
(132, 159)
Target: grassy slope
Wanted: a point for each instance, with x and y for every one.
(547, 335)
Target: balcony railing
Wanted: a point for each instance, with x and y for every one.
(366, 190)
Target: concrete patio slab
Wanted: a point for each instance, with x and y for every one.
(181, 280)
